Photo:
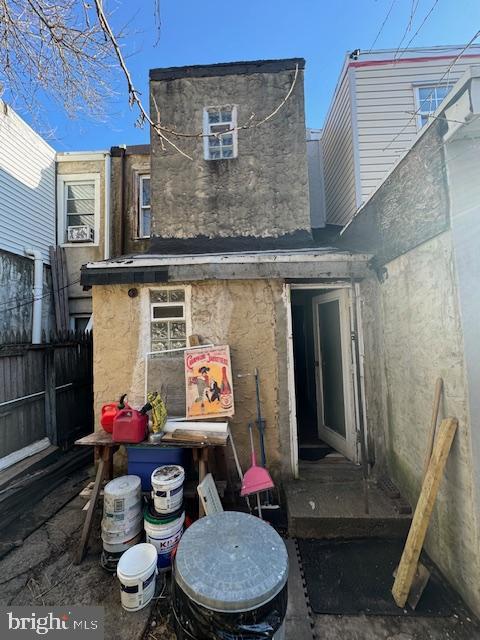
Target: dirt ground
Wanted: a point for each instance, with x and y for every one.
(41, 571)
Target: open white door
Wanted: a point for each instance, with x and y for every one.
(335, 407)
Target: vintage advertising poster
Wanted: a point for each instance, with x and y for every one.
(208, 378)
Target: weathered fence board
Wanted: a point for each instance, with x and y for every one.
(45, 390)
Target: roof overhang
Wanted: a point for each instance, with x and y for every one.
(323, 262)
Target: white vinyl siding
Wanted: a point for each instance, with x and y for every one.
(384, 95)
(27, 187)
(338, 153)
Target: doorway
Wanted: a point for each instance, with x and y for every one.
(325, 381)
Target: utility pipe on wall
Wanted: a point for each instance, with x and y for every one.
(37, 293)
(107, 230)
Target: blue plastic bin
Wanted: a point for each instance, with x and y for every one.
(143, 460)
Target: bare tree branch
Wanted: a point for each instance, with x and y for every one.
(53, 48)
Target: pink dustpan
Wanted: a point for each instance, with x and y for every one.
(256, 478)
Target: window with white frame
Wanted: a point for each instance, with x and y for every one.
(79, 321)
(78, 202)
(220, 134)
(144, 217)
(428, 98)
(168, 322)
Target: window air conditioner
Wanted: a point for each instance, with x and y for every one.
(80, 233)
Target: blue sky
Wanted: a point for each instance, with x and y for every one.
(208, 31)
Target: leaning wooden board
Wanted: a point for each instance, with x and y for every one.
(418, 529)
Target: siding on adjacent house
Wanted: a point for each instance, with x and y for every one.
(27, 187)
(367, 113)
(386, 100)
(337, 141)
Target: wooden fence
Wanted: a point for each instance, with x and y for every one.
(45, 390)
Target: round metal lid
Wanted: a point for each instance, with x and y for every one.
(231, 561)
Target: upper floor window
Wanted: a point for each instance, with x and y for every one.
(144, 217)
(428, 99)
(78, 208)
(219, 128)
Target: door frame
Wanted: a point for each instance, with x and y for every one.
(287, 290)
(346, 446)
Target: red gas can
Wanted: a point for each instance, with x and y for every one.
(129, 425)
(109, 411)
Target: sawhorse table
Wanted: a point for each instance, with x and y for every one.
(104, 448)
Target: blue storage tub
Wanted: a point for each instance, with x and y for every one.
(143, 460)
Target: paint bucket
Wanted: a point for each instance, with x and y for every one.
(121, 547)
(230, 578)
(112, 553)
(167, 487)
(164, 533)
(122, 502)
(122, 536)
(136, 571)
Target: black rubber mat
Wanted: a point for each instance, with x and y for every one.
(356, 576)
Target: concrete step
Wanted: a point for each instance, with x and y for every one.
(330, 507)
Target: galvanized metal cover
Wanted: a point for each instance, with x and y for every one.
(231, 561)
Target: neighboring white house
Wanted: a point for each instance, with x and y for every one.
(27, 219)
(379, 105)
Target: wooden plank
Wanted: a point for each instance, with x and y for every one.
(87, 527)
(423, 512)
(50, 397)
(207, 437)
(56, 300)
(433, 424)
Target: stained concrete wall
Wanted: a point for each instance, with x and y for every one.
(16, 292)
(248, 315)
(261, 194)
(423, 340)
(127, 166)
(417, 225)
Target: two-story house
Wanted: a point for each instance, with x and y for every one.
(381, 102)
(232, 249)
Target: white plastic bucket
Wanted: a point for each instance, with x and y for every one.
(136, 571)
(165, 537)
(167, 487)
(124, 534)
(122, 502)
(121, 546)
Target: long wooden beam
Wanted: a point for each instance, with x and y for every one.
(423, 512)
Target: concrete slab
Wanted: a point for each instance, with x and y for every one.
(328, 501)
(394, 628)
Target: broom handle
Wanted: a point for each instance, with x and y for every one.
(250, 429)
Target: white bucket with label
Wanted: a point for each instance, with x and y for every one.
(122, 535)
(122, 502)
(136, 571)
(164, 534)
(167, 487)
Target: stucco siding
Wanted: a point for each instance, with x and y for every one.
(338, 152)
(222, 312)
(423, 340)
(27, 187)
(385, 97)
(79, 254)
(261, 194)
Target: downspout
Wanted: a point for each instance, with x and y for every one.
(37, 294)
(108, 175)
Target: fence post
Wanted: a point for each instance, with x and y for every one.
(50, 396)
